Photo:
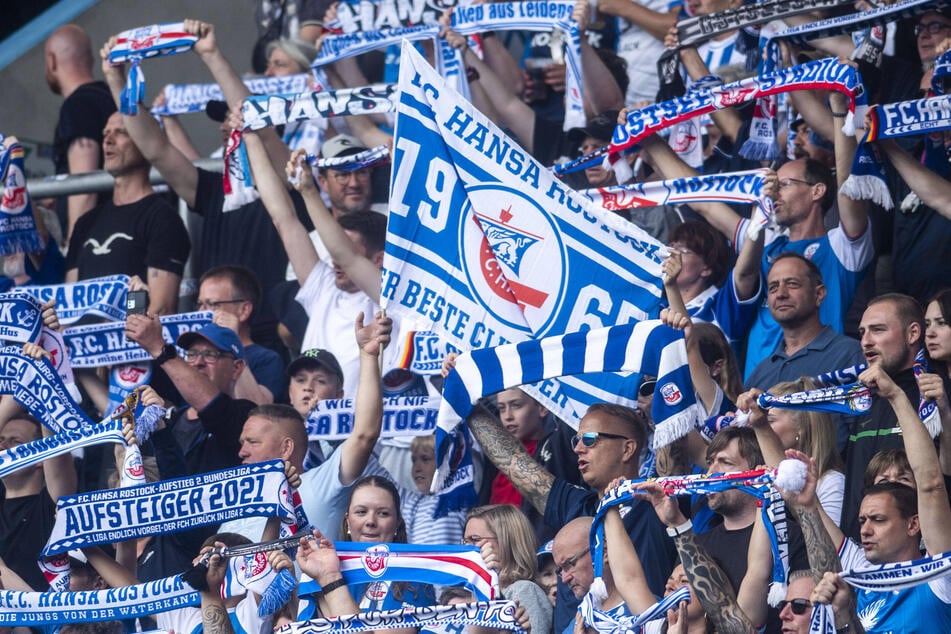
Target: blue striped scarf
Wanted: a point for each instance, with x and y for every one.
(647, 347)
(185, 98)
(605, 623)
(141, 43)
(494, 615)
(20, 317)
(332, 419)
(259, 111)
(101, 296)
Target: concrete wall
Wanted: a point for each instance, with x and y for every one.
(29, 110)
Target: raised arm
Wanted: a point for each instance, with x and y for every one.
(933, 190)
(277, 201)
(934, 512)
(818, 530)
(368, 409)
(601, 90)
(710, 584)
(214, 614)
(359, 268)
(654, 22)
(152, 142)
(853, 214)
(531, 479)
(754, 589)
(626, 566)
(670, 165)
(82, 156)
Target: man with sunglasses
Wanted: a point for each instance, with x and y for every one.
(795, 610)
(607, 446)
(204, 435)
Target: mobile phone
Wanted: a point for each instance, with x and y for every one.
(136, 302)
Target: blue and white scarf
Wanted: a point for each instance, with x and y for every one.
(253, 573)
(486, 247)
(802, 34)
(35, 384)
(236, 179)
(434, 565)
(260, 111)
(499, 615)
(135, 45)
(403, 416)
(883, 578)
(125, 378)
(533, 15)
(738, 187)
(18, 232)
(791, 476)
(101, 296)
(824, 74)
(888, 121)
(170, 506)
(99, 345)
(361, 160)
(647, 347)
(13, 459)
(604, 623)
(34, 609)
(841, 394)
(185, 98)
(20, 317)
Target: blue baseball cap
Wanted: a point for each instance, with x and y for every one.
(220, 337)
(546, 549)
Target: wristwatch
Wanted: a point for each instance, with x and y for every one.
(169, 352)
(675, 531)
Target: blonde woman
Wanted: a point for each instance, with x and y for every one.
(812, 433)
(508, 546)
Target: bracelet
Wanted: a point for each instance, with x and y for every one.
(676, 531)
(169, 352)
(333, 585)
(840, 115)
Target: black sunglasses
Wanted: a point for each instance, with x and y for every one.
(798, 606)
(647, 388)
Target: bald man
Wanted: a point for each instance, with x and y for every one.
(87, 106)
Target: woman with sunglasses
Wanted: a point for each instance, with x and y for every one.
(505, 537)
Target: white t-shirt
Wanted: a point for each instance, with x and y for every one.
(244, 619)
(331, 313)
(641, 50)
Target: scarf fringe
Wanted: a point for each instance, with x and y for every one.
(759, 150)
(677, 426)
(777, 592)
(278, 593)
(867, 187)
(23, 243)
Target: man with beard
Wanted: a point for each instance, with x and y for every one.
(892, 331)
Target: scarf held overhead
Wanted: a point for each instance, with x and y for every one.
(485, 246)
(403, 416)
(35, 384)
(18, 232)
(185, 98)
(260, 111)
(135, 45)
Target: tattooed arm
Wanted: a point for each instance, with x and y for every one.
(712, 587)
(214, 615)
(818, 530)
(710, 584)
(509, 456)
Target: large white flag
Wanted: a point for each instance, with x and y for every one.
(486, 247)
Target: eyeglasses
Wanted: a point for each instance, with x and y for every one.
(208, 356)
(569, 564)
(682, 250)
(786, 182)
(343, 176)
(933, 28)
(209, 305)
(798, 606)
(475, 540)
(591, 438)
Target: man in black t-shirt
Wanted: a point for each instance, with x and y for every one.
(136, 232)
(86, 106)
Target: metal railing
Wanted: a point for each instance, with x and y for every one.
(95, 182)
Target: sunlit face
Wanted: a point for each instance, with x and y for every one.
(784, 422)
(790, 294)
(348, 191)
(597, 176)
(933, 28)
(280, 64)
(574, 559)
(310, 386)
(896, 474)
(800, 588)
(262, 440)
(603, 462)
(885, 340)
(424, 467)
(726, 460)
(886, 536)
(693, 269)
(937, 333)
(119, 153)
(372, 515)
(678, 579)
(218, 294)
(223, 370)
(521, 415)
(797, 197)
